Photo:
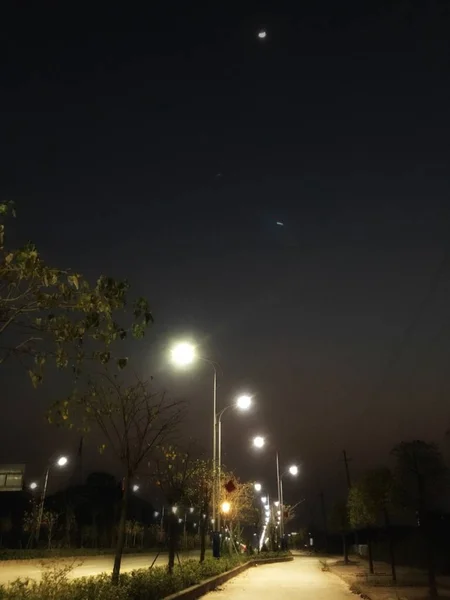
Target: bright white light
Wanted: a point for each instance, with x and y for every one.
(278, 512)
(33, 485)
(259, 441)
(263, 499)
(191, 510)
(277, 503)
(183, 354)
(174, 509)
(293, 470)
(135, 487)
(258, 487)
(156, 513)
(244, 402)
(262, 34)
(180, 520)
(226, 507)
(62, 461)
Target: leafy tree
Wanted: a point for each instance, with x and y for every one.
(134, 423)
(369, 499)
(199, 494)
(178, 474)
(49, 314)
(339, 522)
(420, 481)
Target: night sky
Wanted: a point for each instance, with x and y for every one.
(163, 145)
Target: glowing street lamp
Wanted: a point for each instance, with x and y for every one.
(262, 34)
(293, 470)
(259, 441)
(135, 488)
(226, 507)
(263, 499)
(183, 354)
(33, 485)
(258, 487)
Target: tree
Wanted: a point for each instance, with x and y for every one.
(340, 523)
(420, 478)
(369, 499)
(239, 498)
(49, 314)
(134, 422)
(199, 494)
(49, 522)
(177, 474)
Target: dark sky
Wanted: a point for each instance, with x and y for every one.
(163, 145)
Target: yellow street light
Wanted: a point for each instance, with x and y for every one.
(226, 507)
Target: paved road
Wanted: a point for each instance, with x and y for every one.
(92, 565)
(300, 579)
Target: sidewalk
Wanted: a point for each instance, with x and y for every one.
(411, 583)
(300, 579)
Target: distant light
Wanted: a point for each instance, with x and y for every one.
(135, 487)
(264, 499)
(180, 520)
(33, 485)
(191, 510)
(174, 509)
(258, 487)
(183, 354)
(195, 524)
(293, 470)
(226, 506)
(276, 503)
(62, 461)
(156, 513)
(258, 441)
(280, 223)
(244, 402)
(262, 34)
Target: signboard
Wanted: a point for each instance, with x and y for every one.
(11, 478)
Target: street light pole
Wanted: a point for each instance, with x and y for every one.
(215, 483)
(41, 505)
(279, 486)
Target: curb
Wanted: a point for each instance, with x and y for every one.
(195, 591)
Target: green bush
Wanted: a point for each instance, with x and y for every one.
(144, 584)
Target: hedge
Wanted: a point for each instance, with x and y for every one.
(143, 584)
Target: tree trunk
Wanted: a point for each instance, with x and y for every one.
(345, 548)
(203, 530)
(391, 545)
(369, 549)
(172, 541)
(121, 532)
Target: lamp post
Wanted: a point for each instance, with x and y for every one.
(259, 442)
(60, 462)
(243, 402)
(292, 470)
(183, 355)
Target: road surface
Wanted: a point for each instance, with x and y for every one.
(300, 579)
(83, 567)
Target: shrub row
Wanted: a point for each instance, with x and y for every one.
(144, 584)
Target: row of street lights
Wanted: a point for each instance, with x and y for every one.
(183, 355)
